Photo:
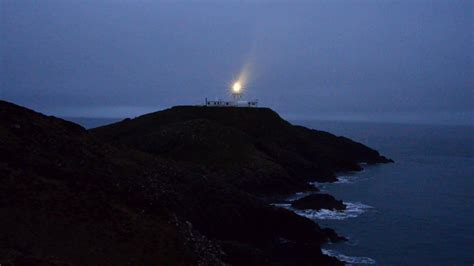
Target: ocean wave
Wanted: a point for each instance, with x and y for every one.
(345, 180)
(353, 209)
(350, 179)
(349, 260)
(282, 205)
(340, 180)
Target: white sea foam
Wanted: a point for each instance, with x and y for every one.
(353, 209)
(348, 259)
(340, 180)
(282, 205)
(344, 180)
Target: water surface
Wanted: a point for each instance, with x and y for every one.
(419, 210)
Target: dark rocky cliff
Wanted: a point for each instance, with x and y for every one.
(253, 148)
(161, 189)
(69, 200)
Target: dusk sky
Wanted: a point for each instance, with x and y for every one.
(402, 61)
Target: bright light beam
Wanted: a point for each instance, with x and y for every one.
(237, 87)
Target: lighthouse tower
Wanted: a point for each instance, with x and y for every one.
(236, 93)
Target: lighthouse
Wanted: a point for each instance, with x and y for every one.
(237, 98)
(236, 91)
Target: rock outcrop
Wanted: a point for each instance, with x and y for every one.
(317, 202)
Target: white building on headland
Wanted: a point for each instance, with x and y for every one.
(236, 99)
(221, 103)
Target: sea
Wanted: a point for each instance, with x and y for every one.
(416, 211)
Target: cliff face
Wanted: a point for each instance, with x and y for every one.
(69, 200)
(252, 148)
(153, 190)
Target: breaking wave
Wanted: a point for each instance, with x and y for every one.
(283, 205)
(348, 259)
(353, 209)
(349, 179)
(344, 180)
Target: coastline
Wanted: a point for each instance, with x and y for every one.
(198, 173)
(331, 176)
(352, 210)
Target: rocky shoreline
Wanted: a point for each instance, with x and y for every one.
(183, 186)
(318, 202)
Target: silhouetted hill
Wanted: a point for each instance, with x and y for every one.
(68, 198)
(252, 148)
